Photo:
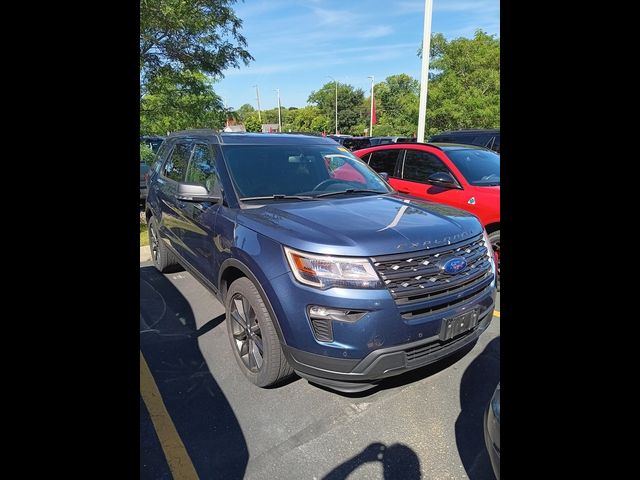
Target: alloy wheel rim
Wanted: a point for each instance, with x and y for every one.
(154, 243)
(246, 333)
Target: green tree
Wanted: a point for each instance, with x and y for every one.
(397, 100)
(464, 83)
(251, 122)
(245, 110)
(180, 101)
(349, 105)
(199, 36)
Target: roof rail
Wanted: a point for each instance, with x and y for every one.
(198, 132)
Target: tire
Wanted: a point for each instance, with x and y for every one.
(163, 259)
(494, 238)
(263, 368)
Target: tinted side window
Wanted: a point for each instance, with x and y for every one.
(202, 169)
(176, 166)
(419, 165)
(384, 161)
(481, 140)
(496, 144)
(365, 158)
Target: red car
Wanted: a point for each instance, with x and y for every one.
(463, 176)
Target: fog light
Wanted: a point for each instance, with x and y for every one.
(325, 313)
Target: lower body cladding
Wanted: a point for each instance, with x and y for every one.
(357, 354)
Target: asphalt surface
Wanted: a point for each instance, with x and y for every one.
(426, 424)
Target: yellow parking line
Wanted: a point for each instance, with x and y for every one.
(496, 313)
(172, 446)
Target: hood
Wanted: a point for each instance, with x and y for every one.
(361, 226)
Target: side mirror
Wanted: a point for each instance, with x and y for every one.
(194, 193)
(384, 176)
(442, 179)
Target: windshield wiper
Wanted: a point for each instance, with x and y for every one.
(349, 190)
(279, 196)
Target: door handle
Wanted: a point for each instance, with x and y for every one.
(181, 205)
(403, 191)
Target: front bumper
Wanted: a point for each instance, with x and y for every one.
(360, 375)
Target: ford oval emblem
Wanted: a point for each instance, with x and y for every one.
(454, 265)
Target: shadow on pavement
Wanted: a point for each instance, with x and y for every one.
(199, 409)
(398, 462)
(476, 388)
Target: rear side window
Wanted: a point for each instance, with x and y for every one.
(419, 165)
(176, 166)
(202, 169)
(385, 161)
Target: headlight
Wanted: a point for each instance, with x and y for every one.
(492, 255)
(323, 271)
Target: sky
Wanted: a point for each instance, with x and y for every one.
(299, 44)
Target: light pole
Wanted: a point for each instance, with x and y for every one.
(258, 97)
(336, 82)
(279, 117)
(371, 124)
(424, 74)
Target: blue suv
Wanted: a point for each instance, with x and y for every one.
(324, 270)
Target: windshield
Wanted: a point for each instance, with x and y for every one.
(306, 170)
(479, 167)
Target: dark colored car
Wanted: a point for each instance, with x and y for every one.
(339, 138)
(322, 267)
(482, 138)
(356, 143)
(462, 176)
(144, 168)
(153, 142)
(384, 140)
(492, 431)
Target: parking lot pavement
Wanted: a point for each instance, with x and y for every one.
(425, 424)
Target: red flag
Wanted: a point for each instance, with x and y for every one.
(374, 120)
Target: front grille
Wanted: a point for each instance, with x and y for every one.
(417, 277)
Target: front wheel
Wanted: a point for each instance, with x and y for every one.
(253, 337)
(494, 238)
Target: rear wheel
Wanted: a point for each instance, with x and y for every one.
(494, 238)
(253, 337)
(163, 259)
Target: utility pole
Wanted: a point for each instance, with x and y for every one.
(279, 116)
(371, 122)
(424, 74)
(336, 82)
(258, 97)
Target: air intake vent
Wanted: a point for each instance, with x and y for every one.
(322, 330)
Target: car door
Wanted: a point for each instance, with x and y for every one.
(416, 167)
(172, 219)
(200, 217)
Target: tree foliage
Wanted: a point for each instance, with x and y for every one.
(350, 102)
(464, 84)
(397, 100)
(180, 101)
(197, 35)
